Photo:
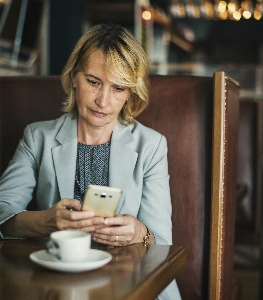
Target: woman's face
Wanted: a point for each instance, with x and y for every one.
(99, 101)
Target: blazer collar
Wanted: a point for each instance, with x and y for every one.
(122, 159)
(68, 130)
(64, 156)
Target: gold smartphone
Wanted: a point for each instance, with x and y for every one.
(103, 200)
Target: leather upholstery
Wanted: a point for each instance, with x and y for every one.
(24, 100)
(181, 108)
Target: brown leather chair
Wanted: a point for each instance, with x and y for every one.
(199, 117)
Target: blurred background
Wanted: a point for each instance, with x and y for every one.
(190, 37)
(180, 36)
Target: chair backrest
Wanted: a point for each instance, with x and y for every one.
(181, 108)
(199, 117)
(23, 100)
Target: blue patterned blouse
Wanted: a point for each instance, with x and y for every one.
(92, 167)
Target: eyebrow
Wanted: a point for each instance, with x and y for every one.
(90, 75)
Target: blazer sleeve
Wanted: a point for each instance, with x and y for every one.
(18, 182)
(156, 209)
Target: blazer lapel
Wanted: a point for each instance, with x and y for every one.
(64, 157)
(122, 160)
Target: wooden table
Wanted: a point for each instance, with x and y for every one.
(133, 273)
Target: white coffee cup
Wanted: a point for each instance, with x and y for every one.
(69, 245)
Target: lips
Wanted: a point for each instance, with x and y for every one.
(98, 114)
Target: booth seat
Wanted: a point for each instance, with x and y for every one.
(199, 117)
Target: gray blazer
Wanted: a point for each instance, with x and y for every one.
(45, 163)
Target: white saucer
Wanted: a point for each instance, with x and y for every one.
(97, 259)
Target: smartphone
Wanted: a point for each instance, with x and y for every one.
(103, 200)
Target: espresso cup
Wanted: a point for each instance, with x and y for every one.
(70, 246)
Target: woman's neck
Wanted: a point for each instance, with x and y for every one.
(94, 135)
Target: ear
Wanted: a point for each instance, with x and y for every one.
(72, 75)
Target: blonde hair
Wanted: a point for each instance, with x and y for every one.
(126, 65)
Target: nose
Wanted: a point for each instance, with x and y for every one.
(103, 97)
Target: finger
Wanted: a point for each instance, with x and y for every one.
(117, 220)
(82, 215)
(85, 219)
(112, 231)
(109, 239)
(85, 225)
(72, 204)
(91, 228)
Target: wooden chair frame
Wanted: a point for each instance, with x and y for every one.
(218, 249)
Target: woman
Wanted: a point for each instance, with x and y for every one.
(96, 142)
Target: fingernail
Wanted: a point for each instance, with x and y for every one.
(91, 214)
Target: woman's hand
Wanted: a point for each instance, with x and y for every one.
(67, 214)
(120, 231)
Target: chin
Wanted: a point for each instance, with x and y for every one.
(99, 123)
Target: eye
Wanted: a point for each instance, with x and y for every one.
(119, 88)
(93, 82)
